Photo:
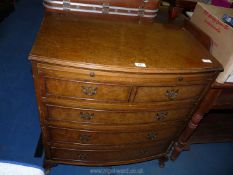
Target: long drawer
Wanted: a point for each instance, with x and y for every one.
(69, 73)
(111, 137)
(104, 156)
(97, 116)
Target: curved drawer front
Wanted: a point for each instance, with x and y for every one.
(82, 90)
(110, 137)
(100, 156)
(91, 116)
(120, 77)
(158, 94)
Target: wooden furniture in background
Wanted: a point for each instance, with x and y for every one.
(215, 127)
(213, 120)
(217, 124)
(178, 6)
(133, 10)
(112, 93)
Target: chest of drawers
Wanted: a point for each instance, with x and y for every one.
(113, 93)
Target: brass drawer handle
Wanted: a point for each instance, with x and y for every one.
(161, 115)
(86, 115)
(90, 91)
(180, 78)
(152, 136)
(92, 74)
(172, 93)
(84, 138)
(83, 156)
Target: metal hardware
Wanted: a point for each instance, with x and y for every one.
(84, 138)
(151, 136)
(141, 11)
(66, 4)
(172, 93)
(78, 7)
(161, 115)
(86, 115)
(90, 91)
(180, 78)
(105, 9)
(82, 156)
(92, 74)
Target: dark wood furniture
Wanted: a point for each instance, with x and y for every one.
(217, 126)
(133, 10)
(178, 6)
(213, 119)
(113, 93)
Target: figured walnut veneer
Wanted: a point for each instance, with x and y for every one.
(96, 107)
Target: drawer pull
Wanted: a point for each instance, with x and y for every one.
(180, 78)
(83, 156)
(151, 136)
(86, 115)
(161, 115)
(92, 74)
(90, 91)
(172, 93)
(84, 138)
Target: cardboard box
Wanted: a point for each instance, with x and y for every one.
(208, 18)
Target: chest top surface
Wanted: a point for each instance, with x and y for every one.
(117, 46)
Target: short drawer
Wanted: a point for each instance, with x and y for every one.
(95, 116)
(117, 137)
(160, 94)
(104, 156)
(84, 90)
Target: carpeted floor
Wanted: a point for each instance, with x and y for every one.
(19, 125)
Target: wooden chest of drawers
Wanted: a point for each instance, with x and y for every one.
(113, 93)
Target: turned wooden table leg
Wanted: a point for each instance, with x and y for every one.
(205, 106)
(182, 145)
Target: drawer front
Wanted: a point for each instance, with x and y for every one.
(82, 90)
(120, 137)
(163, 94)
(108, 155)
(91, 116)
(47, 70)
